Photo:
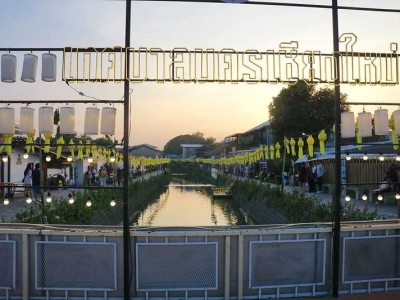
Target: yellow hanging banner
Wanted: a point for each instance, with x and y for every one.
(310, 143)
(300, 143)
(322, 138)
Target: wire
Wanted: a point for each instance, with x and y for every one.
(82, 93)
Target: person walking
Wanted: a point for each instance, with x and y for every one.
(320, 173)
(303, 178)
(37, 183)
(312, 175)
(27, 180)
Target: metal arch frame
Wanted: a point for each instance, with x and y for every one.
(336, 199)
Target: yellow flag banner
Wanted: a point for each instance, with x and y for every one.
(60, 142)
(286, 144)
(80, 150)
(71, 147)
(300, 143)
(310, 143)
(278, 150)
(271, 151)
(29, 143)
(266, 153)
(47, 137)
(292, 145)
(322, 138)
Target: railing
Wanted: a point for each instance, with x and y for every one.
(251, 262)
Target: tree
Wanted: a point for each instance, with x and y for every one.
(173, 146)
(301, 108)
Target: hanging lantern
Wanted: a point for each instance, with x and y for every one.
(381, 118)
(396, 118)
(348, 125)
(108, 115)
(49, 67)
(46, 120)
(29, 68)
(92, 121)
(7, 120)
(67, 120)
(26, 120)
(8, 68)
(364, 124)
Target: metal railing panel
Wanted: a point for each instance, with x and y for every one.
(371, 258)
(176, 266)
(7, 264)
(287, 263)
(75, 266)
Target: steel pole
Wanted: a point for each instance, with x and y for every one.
(125, 208)
(336, 197)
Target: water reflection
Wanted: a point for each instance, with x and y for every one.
(183, 205)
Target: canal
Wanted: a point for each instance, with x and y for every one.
(183, 205)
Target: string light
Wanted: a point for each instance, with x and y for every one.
(381, 157)
(48, 158)
(48, 198)
(88, 202)
(69, 158)
(5, 158)
(365, 157)
(25, 155)
(28, 199)
(397, 196)
(347, 198)
(90, 159)
(6, 201)
(112, 158)
(380, 197)
(364, 197)
(70, 199)
(112, 203)
(348, 157)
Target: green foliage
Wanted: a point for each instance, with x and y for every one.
(173, 146)
(301, 108)
(296, 207)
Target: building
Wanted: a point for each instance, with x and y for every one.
(256, 136)
(189, 150)
(145, 150)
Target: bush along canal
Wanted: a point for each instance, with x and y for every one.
(141, 194)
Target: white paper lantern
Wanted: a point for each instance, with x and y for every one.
(381, 122)
(364, 124)
(67, 120)
(92, 117)
(29, 68)
(46, 120)
(108, 115)
(49, 67)
(8, 68)
(348, 125)
(26, 120)
(396, 117)
(7, 120)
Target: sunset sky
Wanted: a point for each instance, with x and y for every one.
(162, 111)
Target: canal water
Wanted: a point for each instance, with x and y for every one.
(190, 205)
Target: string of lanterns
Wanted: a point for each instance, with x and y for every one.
(67, 126)
(29, 68)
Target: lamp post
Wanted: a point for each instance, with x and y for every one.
(337, 174)
(125, 203)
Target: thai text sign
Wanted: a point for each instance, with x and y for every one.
(284, 65)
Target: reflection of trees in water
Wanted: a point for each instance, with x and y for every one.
(230, 211)
(153, 209)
